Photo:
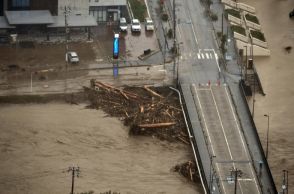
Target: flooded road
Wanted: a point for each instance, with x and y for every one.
(39, 142)
(276, 74)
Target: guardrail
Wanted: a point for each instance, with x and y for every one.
(268, 190)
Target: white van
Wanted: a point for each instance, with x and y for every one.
(123, 26)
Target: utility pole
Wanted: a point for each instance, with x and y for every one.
(236, 173)
(75, 173)
(175, 41)
(66, 12)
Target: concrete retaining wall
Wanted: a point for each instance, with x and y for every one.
(234, 19)
(252, 24)
(240, 37)
(257, 50)
(246, 7)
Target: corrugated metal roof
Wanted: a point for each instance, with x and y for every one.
(73, 21)
(29, 17)
(4, 24)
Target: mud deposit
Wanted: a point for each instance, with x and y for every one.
(39, 142)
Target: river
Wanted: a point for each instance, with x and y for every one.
(39, 142)
(276, 74)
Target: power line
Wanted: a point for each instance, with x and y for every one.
(75, 173)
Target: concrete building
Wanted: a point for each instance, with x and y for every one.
(76, 7)
(108, 10)
(20, 5)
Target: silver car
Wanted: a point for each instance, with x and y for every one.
(73, 57)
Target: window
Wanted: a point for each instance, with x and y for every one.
(20, 3)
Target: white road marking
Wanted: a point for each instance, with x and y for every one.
(209, 138)
(180, 35)
(193, 29)
(207, 55)
(239, 130)
(198, 54)
(223, 129)
(202, 55)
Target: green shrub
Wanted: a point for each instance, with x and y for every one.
(169, 33)
(258, 35)
(213, 16)
(238, 29)
(164, 17)
(233, 12)
(251, 18)
(138, 9)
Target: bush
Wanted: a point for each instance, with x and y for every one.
(213, 16)
(233, 12)
(169, 33)
(164, 17)
(251, 18)
(258, 35)
(138, 9)
(238, 29)
(219, 34)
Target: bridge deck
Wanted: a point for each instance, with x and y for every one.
(225, 139)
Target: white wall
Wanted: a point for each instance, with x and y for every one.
(76, 7)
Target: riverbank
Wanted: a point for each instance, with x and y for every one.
(276, 75)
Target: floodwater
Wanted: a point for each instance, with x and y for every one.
(39, 142)
(276, 74)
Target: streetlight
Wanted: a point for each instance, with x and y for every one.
(246, 63)
(178, 53)
(210, 174)
(267, 134)
(285, 182)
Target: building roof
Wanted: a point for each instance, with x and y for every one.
(73, 21)
(4, 24)
(109, 3)
(29, 17)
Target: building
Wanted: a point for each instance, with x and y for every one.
(108, 10)
(15, 5)
(75, 7)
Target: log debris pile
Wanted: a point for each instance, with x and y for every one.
(188, 170)
(146, 110)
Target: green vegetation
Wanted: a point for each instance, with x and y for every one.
(233, 12)
(238, 29)
(251, 18)
(138, 9)
(213, 16)
(170, 33)
(164, 17)
(258, 35)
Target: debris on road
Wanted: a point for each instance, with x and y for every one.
(146, 110)
(188, 170)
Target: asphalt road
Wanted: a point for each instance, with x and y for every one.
(199, 68)
(227, 143)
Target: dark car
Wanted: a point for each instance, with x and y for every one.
(291, 14)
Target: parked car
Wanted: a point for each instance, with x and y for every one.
(291, 14)
(149, 25)
(135, 26)
(73, 57)
(123, 26)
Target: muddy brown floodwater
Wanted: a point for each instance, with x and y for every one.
(276, 74)
(39, 142)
